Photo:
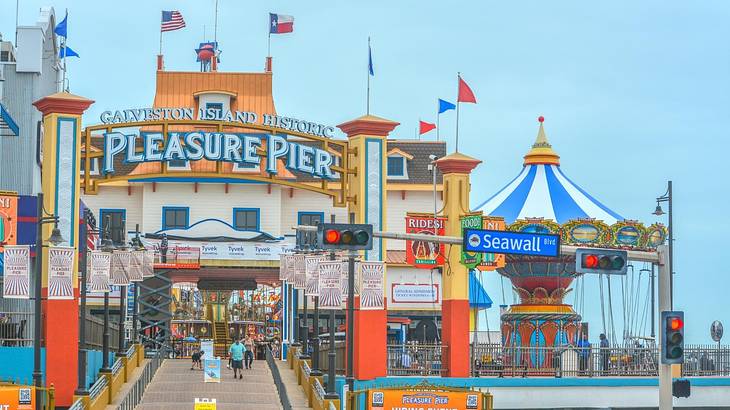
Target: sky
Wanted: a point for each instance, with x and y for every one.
(634, 94)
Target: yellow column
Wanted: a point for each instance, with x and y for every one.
(455, 168)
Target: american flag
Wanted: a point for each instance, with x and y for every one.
(172, 20)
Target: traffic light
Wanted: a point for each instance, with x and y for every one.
(672, 337)
(612, 262)
(345, 236)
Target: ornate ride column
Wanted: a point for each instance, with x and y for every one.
(60, 184)
(456, 169)
(368, 137)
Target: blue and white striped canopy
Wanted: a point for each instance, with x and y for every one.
(543, 190)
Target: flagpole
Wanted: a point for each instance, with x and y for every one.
(367, 110)
(160, 40)
(65, 52)
(458, 75)
(438, 118)
(268, 47)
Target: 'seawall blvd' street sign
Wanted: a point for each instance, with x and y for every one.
(517, 243)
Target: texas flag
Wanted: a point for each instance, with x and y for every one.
(280, 23)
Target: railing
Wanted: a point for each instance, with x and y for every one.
(117, 366)
(339, 358)
(135, 394)
(77, 405)
(706, 360)
(280, 387)
(415, 360)
(95, 333)
(16, 328)
(97, 388)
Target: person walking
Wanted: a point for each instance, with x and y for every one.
(236, 352)
(584, 354)
(248, 355)
(197, 360)
(605, 353)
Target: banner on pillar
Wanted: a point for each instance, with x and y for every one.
(99, 267)
(300, 272)
(8, 219)
(422, 254)
(291, 269)
(372, 286)
(330, 286)
(119, 265)
(345, 281)
(471, 259)
(282, 266)
(148, 268)
(136, 265)
(16, 272)
(312, 275)
(492, 261)
(60, 272)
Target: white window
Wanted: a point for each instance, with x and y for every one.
(397, 167)
(93, 167)
(178, 165)
(246, 167)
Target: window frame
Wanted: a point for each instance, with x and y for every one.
(102, 214)
(216, 104)
(93, 168)
(403, 160)
(300, 214)
(258, 218)
(171, 167)
(255, 169)
(175, 208)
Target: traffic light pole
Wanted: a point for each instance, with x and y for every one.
(350, 321)
(665, 370)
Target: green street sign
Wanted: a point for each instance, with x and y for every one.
(471, 259)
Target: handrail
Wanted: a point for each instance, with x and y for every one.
(135, 394)
(97, 387)
(77, 405)
(280, 387)
(306, 368)
(117, 366)
(131, 350)
(319, 390)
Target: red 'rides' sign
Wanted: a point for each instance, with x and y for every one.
(422, 254)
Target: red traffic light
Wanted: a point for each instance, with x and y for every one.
(674, 323)
(332, 236)
(590, 261)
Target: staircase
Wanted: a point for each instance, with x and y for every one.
(221, 338)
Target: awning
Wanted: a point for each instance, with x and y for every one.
(478, 297)
(8, 127)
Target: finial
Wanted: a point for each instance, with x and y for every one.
(541, 152)
(541, 119)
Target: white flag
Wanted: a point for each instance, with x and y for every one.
(16, 272)
(99, 271)
(60, 272)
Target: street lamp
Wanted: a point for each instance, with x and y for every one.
(90, 223)
(121, 346)
(138, 246)
(54, 239)
(667, 197)
(106, 246)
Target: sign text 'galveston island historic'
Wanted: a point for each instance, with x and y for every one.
(216, 146)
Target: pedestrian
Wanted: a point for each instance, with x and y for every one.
(605, 352)
(236, 352)
(197, 360)
(248, 355)
(584, 353)
(163, 248)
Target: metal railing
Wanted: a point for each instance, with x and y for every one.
(97, 388)
(95, 333)
(135, 394)
(117, 366)
(339, 358)
(77, 405)
(16, 328)
(706, 360)
(280, 387)
(415, 360)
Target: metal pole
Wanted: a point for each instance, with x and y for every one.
(315, 340)
(653, 302)
(83, 265)
(671, 249)
(665, 370)
(105, 341)
(332, 354)
(304, 333)
(135, 314)
(350, 320)
(122, 317)
(37, 373)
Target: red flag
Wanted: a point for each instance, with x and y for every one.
(425, 127)
(465, 93)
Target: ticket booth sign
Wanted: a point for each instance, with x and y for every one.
(420, 400)
(17, 398)
(423, 254)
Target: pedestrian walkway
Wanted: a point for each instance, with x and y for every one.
(175, 386)
(294, 391)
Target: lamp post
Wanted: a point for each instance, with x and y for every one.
(106, 246)
(55, 239)
(90, 223)
(121, 348)
(332, 353)
(667, 197)
(138, 246)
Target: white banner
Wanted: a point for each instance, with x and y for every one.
(282, 266)
(264, 251)
(100, 265)
(119, 267)
(291, 268)
(60, 272)
(330, 287)
(312, 275)
(148, 268)
(136, 264)
(16, 272)
(414, 293)
(344, 282)
(372, 278)
(300, 272)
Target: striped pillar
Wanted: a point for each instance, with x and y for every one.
(60, 183)
(368, 137)
(455, 168)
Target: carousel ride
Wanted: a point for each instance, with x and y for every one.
(542, 199)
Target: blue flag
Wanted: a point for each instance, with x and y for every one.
(445, 106)
(370, 60)
(66, 51)
(61, 27)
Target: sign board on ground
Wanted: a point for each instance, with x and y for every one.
(516, 243)
(205, 404)
(212, 369)
(387, 399)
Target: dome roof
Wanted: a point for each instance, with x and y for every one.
(542, 190)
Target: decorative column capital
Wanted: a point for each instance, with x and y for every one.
(63, 103)
(457, 163)
(368, 125)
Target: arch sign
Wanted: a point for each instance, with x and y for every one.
(142, 144)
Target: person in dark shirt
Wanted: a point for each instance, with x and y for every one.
(605, 353)
(198, 360)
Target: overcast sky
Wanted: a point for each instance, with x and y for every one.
(633, 94)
